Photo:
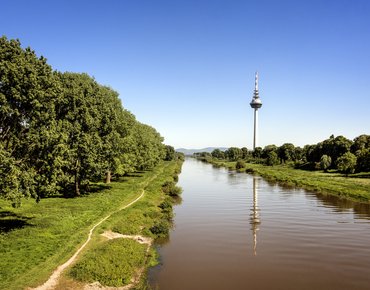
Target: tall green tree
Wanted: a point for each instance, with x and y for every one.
(272, 158)
(115, 125)
(363, 160)
(28, 133)
(286, 152)
(267, 149)
(325, 162)
(347, 163)
(246, 153)
(217, 153)
(170, 153)
(234, 153)
(360, 143)
(80, 115)
(63, 129)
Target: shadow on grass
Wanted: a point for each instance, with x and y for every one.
(86, 190)
(135, 174)
(360, 176)
(10, 221)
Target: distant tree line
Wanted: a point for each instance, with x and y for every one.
(336, 153)
(59, 131)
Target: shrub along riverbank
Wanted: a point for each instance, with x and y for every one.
(354, 186)
(38, 237)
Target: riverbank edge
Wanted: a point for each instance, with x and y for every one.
(350, 188)
(153, 197)
(22, 245)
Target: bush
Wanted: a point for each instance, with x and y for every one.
(325, 162)
(240, 164)
(104, 263)
(165, 205)
(160, 229)
(272, 158)
(170, 188)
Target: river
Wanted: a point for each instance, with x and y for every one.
(238, 231)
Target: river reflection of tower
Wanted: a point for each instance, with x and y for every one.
(255, 215)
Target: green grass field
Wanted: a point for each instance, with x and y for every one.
(36, 238)
(355, 187)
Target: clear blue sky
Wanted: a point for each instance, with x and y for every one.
(187, 67)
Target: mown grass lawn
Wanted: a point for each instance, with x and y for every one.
(355, 187)
(36, 238)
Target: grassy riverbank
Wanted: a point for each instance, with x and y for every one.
(36, 238)
(355, 187)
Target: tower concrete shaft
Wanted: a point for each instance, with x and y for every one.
(255, 131)
(255, 104)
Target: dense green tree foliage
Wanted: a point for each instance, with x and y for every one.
(335, 153)
(363, 160)
(346, 163)
(59, 131)
(218, 154)
(170, 153)
(234, 153)
(246, 153)
(272, 158)
(257, 152)
(28, 92)
(286, 152)
(360, 143)
(325, 162)
(267, 149)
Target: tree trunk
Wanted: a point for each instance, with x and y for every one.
(77, 181)
(108, 177)
(77, 185)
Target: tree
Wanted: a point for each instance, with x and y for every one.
(234, 153)
(333, 147)
(336, 147)
(286, 152)
(63, 129)
(312, 153)
(363, 160)
(114, 126)
(170, 153)
(16, 179)
(245, 153)
(217, 153)
(79, 112)
(272, 158)
(149, 149)
(257, 152)
(28, 131)
(325, 162)
(346, 163)
(360, 143)
(268, 149)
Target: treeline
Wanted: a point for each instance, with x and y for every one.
(336, 153)
(59, 131)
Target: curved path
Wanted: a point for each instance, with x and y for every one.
(54, 278)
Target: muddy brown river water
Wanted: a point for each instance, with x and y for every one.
(237, 231)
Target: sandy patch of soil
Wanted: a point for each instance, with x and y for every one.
(140, 239)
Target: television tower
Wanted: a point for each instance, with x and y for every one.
(255, 104)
